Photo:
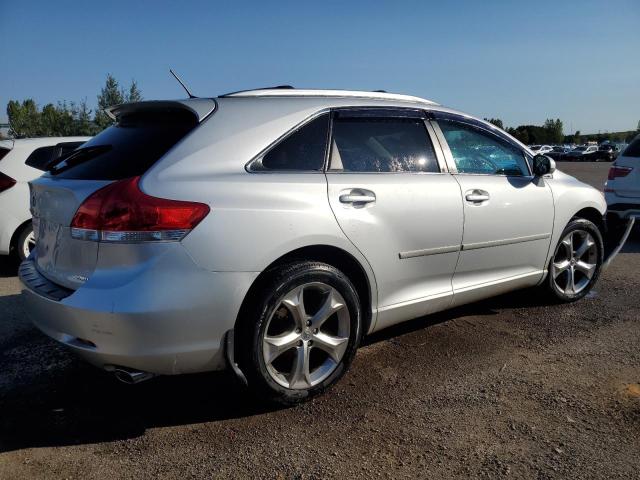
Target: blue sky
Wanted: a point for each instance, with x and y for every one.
(520, 61)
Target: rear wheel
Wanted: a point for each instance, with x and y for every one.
(301, 333)
(25, 242)
(576, 262)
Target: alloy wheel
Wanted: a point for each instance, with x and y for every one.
(306, 336)
(575, 262)
(28, 244)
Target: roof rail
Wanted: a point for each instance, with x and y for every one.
(277, 87)
(286, 91)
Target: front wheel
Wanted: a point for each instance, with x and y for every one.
(576, 262)
(301, 332)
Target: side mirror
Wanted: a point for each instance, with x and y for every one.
(543, 165)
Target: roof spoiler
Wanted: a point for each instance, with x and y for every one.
(200, 107)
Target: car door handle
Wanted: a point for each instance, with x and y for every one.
(357, 196)
(477, 196)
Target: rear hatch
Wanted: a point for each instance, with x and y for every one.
(628, 185)
(143, 133)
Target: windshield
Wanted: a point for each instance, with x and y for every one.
(579, 149)
(558, 149)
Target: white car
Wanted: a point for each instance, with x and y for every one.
(21, 161)
(622, 189)
(269, 230)
(541, 149)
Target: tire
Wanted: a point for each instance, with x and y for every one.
(572, 276)
(273, 316)
(24, 242)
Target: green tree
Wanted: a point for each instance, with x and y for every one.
(24, 118)
(553, 131)
(495, 121)
(110, 95)
(134, 94)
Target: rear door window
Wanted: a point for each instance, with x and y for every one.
(381, 144)
(127, 149)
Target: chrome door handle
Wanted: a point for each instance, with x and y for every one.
(477, 196)
(357, 196)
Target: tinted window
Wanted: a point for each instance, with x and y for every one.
(41, 157)
(633, 150)
(304, 149)
(477, 151)
(3, 152)
(366, 144)
(128, 148)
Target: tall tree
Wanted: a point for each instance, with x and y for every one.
(134, 94)
(110, 95)
(24, 118)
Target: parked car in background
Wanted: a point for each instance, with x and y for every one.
(541, 149)
(21, 161)
(622, 189)
(583, 153)
(607, 152)
(269, 230)
(558, 152)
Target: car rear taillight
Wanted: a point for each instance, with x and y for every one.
(616, 172)
(121, 212)
(6, 182)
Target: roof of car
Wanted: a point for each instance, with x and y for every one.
(294, 92)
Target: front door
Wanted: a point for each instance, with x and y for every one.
(508, 214)
(393, 200)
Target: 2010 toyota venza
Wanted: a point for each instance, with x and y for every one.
(267, 231)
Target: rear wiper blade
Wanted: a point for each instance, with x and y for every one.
(75, 157)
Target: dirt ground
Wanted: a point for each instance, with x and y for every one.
(509, 387)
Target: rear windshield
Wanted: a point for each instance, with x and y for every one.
(633, 150)
(127, 149)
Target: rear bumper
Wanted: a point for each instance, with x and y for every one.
(163, 320)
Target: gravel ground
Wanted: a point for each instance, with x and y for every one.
(506, 387)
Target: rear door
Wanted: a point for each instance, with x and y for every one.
(394, 200)
(508, 214)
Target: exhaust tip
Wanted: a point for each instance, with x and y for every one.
(131, 377)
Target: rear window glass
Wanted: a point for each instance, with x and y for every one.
(41, 157)
(633, 150)
(3, 152)
(127, 149)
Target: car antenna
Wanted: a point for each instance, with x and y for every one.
(182, 84)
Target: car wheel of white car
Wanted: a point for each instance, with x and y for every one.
(301, 334)
(25, 243)
(576, 261)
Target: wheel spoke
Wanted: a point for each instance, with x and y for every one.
(277, 345)
(333, 346)
(560, 267)
(584, 247)
(568, 243)
(571, 282)
(587, 268)
(331, 305)
(300, 376)
(294, 301)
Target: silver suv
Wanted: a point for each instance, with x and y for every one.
(269, 230)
